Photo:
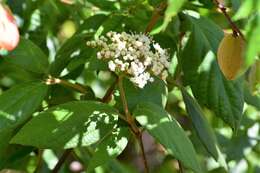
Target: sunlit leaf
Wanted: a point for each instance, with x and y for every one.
(17, 106)
(202, 127)
(110, 147)
(155, 92)
(29, 56)
(172, 9)
(69, 125)
(202, 72)
(168, 132)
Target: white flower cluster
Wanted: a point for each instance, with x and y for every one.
(137, 55)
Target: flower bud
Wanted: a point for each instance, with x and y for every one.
(9, 34)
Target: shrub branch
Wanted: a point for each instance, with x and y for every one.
(131, 122)
(156, 15)
(39, 161)
(80, 88)
(181, 169)
(234, 27)
(129, 119)
(62, 159)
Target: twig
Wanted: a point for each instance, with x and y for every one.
(156, 15)
(180, 167)
(124, 101)
(51, 81)
(131, 122)
(129, 118)
(109, 92)
(61, 161)
(140, 140)
(234, 27)
(39, 161)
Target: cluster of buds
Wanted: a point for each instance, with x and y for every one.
(136, 55)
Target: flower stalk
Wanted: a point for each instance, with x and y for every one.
(131, 121)
(51, 81)
(158, 12)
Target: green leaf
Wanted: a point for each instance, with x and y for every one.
(236, 4)
(17, 73)
(202, 72)
(155, 92)
(92, 23)
(110, 147)
(168, 132)
(210, 34)
(249, 10)
(7, 136)
(250, 99)
(113, 23)
(253, 48)
(116, 166)
(138, 20)
(28, 56)
(16, 106)
(18, 103)
(244, 10)
(224, 97)
(205, 37)
(236, 148)
(97, 64)
(155, 2)
(202, 127)
(104, 4)
(75, 47)
(207, 3)
(172, 9)
(13, 155)
(73, 124)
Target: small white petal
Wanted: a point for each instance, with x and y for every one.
(111, 66)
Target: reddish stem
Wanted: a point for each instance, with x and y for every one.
(223, 9)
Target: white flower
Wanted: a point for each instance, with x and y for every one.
(138, 43)
(164, 75)
(88, 43)
(141, 80)
(112, 54)
(132, 54)
(158, 48)
(148, 61)
(123, 53)
(131, 49)
(151, 79)
(110, 34)
(99, 56)
(111, 65)
(121, 45)
(143, 38)
(107, 54)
